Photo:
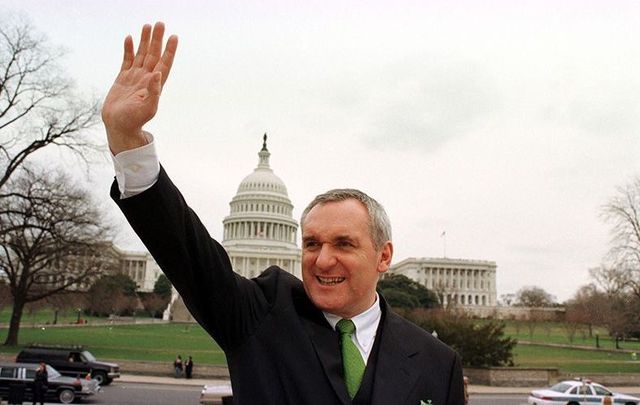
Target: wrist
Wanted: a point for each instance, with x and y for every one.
(120, 142)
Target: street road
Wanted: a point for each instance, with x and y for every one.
(152, 394)
(144, 394)
(495, 399)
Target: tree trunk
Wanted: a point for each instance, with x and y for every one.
(14, 325)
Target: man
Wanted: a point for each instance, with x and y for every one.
(330, 339)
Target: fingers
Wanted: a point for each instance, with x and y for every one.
(164, 67)
(155, 47)
(143, 46)
(127, 60)
(149, 49)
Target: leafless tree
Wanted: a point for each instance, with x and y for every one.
(51, 240)
(38, 106)
(588, 306)
(534, 297)
(623, 213)
(574, 321)
(611, 279)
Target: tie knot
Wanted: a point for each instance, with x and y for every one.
(346, 326)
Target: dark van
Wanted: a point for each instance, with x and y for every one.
(71, 361)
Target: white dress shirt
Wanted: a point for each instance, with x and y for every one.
(366, 327)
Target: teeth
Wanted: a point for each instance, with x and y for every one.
(330, 280)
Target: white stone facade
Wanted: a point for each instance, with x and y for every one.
(260, 230)
(141, 267)
(458, 282)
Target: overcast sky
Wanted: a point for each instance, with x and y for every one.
(507, 124)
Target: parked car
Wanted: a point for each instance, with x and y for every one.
(216, 395)
(64, 389)
(580, 392)
(72, 361)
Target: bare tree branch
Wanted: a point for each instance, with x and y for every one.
(51, 237)
(38, 107)
(623, 213)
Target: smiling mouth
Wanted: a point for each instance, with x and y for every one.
(330, 280)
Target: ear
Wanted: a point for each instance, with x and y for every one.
(386, 254)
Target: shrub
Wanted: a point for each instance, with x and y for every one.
(479, 344)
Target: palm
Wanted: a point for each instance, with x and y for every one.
(134, 96)
(129, 102)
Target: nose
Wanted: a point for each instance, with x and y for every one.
(326, 258)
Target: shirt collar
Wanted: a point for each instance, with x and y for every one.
(366, 325)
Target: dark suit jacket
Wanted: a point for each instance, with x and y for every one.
(280, 349)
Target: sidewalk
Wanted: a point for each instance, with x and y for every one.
(473, 389)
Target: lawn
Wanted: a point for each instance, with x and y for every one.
(162, 342)
(556, 332)
(129, 342)
(575, 360)
(46, 316)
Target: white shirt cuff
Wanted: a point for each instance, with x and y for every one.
(136, 169)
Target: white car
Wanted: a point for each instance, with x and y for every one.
(216, 394)
(580, 392)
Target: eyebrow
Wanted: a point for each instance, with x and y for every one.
(338, 238)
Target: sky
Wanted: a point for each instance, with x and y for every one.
(507, 125)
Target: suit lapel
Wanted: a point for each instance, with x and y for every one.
(327, 346)
(397, 368)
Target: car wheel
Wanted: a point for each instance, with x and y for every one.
(100, 377)
(573, 403)
(66, 396)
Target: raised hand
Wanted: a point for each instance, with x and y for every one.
(134, 96)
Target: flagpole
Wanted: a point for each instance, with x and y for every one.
(443, 235)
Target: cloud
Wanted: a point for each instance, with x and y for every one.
(429, 101)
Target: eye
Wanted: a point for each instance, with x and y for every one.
(343, 243)
(310, 244)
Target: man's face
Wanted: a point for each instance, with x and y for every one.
(340, 265)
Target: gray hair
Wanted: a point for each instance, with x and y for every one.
(379, 224)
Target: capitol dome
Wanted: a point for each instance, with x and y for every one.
(260, 230)
(263, 179)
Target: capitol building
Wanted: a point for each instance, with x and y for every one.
(260, 231)
(458, 282)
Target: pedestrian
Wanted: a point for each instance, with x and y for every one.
(327, 339)
(177, 365)
(40, 384)
(188, 368)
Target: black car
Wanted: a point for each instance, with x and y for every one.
(72, 361)
(18, 379)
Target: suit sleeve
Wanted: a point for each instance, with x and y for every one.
(227, 305)
(456, 384)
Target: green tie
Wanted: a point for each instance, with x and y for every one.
(351, 358)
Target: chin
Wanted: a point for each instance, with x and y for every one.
(325, 303)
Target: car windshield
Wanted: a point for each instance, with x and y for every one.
(600, 390)
(86, 356)
(560, 387)
(52, 372)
